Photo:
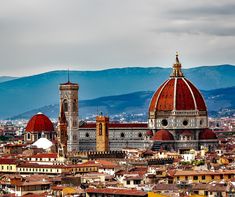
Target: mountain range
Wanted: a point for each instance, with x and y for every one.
(33, 92)
(134, 106)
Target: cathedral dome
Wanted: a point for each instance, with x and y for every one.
(177, 93)
(39, 123)
(207, 134)
(163, 135)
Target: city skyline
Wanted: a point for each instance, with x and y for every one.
(40, 36)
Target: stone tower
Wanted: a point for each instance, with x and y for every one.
(69, 100)
(62, 137)
(102, 133)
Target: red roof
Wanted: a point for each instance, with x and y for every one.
(163, 135)
(117, 125)
(177, 94)
(116, 191)
(39, 123)
(8, 161)
(45, 155)
(207, 134)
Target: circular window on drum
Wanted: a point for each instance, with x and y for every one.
(185, 122)
(164, 122)
(122, 135)
(87, 135)
(140, 135)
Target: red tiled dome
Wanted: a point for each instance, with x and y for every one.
(177, 93)
(207, 134)
(39, 123)
(163, 135)
(149, 133)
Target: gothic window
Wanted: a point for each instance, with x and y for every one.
(74, 137)
(65, 103)
(106, 129)
(74, 105)
(74, 123)
(100, 129)
(28, 136)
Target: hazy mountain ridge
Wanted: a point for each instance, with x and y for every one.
(134, 106)
(6, 78)
(27, 93)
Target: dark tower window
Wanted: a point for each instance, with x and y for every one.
(74, 106)
(164, 122)
(122, 135)
(65, 103)
(106, 129)
(87, 135)
(100, 129)
(140, 135)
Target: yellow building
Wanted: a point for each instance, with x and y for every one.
(8, 165)
(203, 176)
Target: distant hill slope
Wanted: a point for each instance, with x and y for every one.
(134, 106)
(27, 93)
(6, 78)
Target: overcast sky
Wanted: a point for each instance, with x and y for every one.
(42, 35)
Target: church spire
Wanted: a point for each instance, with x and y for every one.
(177, 72)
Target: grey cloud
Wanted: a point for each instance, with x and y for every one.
(41, 35)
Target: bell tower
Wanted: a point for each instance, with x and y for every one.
(102, 133)
(69, 100)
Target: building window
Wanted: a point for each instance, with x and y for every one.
(74, 105)
(122, 135)
(74, 123)
(28, 136)
(221, 176)
(106, 129)
(87, 135)
(65, 103)
(128, 182)
(203, 177)
(140, 135)
(195, 177)
(185, 122)
(164, 122)
(212, 176)
(100, 129)
(137, 182)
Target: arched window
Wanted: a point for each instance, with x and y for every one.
(100, 129)
(106, 129)
(65, 103)
(74, 105)
(28, 136)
